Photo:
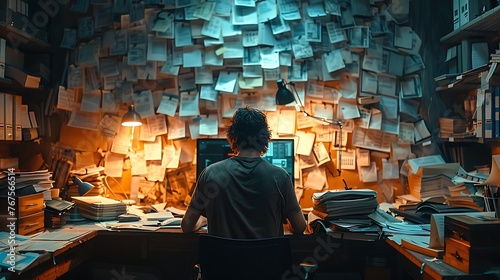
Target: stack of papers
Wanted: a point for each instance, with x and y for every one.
(28, 182)
(99, 208)
(344, 203)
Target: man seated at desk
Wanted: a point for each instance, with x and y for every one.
(245, 196)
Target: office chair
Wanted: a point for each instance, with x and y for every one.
(246, 259)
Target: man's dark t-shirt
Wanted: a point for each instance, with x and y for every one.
(244, 198)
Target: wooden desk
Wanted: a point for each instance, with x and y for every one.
(419, 266)
(103, 254)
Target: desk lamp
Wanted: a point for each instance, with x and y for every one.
(285, 96)
(131, 118)
(83, 189)
(492, 187)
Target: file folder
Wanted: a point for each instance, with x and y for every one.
(496, 112)
(2, 58)
(9, 116)
(487, 120)
(18, 131)
(2, 116)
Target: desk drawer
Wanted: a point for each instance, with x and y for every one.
(29, 204)
(460, 255)
(30, 224)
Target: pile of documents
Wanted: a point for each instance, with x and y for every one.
(28, 182)
(431, 176)
(99, 208)
(334, 204)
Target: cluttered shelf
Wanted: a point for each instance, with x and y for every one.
(466, 81)
(486, 25)
(26, 42)
(34, 94)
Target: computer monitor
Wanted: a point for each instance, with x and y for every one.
(210, 150)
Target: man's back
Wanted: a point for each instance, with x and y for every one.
(246, 198)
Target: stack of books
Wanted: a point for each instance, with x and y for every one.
(452, 127)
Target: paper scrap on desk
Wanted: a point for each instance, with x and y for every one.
(22, 261)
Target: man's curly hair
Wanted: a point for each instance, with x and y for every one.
(249, 130)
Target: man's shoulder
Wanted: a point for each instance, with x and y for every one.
(219, 164)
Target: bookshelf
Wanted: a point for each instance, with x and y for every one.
(486, 25)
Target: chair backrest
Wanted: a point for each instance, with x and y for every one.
(226, 258)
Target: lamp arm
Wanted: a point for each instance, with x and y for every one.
(303, 111)
(331, 122)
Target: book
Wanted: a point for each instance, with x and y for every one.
(60, 206)
(420, 244)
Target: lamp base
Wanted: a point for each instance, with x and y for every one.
(74, 216)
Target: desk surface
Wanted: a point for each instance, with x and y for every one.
(171, 250)
(430, 268)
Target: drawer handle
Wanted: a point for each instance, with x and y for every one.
(32, 225)
(31, 204)
(457, 255)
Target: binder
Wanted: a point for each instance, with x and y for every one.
(17, 126)
(487, 120)
(9, 116)
(2, 116)
(2, 58)
(456, 14)
(479, 118)
(496, 112)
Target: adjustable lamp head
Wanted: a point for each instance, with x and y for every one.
(283, 95)
(131, 118)
(83, 187)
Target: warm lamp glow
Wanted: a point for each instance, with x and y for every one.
(131, 118)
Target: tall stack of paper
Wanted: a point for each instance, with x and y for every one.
(344, 203)
(99, 208)
(430, 176)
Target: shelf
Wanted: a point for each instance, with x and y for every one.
(33, 94)
(26, 41)
(464, 82)
(485, 25)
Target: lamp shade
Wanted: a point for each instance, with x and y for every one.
(494, 177)
(283, 95)
(131, 118)
(83, 187)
